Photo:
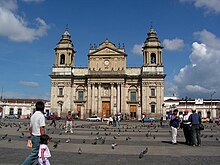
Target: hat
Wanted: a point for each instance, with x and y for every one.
(194, 108)
(186, 110)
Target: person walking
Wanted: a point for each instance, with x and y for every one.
(44, 152)
(69, 122)
(186, 127)
(161, 121)
(174, 124)
(195, 120)
(37, 129)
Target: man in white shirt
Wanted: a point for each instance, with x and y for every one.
(186, 127)
(37, 128)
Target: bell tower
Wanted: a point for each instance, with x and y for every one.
(64, 51)
(152, 49)
(152, 54)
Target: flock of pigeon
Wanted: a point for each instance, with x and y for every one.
(98, 130)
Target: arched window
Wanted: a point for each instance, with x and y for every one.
(62, 59)
(153, 58)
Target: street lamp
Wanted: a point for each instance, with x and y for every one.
(186, 99)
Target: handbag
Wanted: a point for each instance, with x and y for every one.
(201, 127)
(29, 143)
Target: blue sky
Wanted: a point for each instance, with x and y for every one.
(188, 30)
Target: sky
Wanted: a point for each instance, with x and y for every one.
(187, 29)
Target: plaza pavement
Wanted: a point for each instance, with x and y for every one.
(131, 138)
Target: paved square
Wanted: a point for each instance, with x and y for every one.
(95, 140)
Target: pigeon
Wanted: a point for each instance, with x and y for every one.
(79, 151)
(68, 140)
(60, 133)
(211, 136)
(154, 137)
(84, 140)
(3, 137)
(145, 151)
(216, 139)
(95, 142)
(9, 140)
(141, 155)
(115, 137)
(113, 145)
(103, 141)
(126, 139)
(56, 144)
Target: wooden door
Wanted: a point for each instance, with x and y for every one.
(106, 109)
(133, 111)
(78, 112)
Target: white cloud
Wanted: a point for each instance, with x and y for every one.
(137, 49)
(208, 5)
(197, 89)
(170, 89)
(29, 84)
(202, 75)
(15, 27)
(10, 4)
(174, 44)
(24, 95)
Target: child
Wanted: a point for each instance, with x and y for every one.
(44, 152)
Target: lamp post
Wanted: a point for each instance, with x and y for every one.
(186, 99)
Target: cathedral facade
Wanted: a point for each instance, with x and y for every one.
(107, 86)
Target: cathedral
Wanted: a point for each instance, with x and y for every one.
(107, 86)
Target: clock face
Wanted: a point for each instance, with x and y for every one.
(106, 62)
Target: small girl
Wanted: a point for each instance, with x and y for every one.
(44, 152)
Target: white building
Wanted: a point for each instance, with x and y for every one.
(209, 108)
(22, 107)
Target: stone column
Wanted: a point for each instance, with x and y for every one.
(123, 98)
(74, 98)
(99, 99)
(112, 102)
(82, 112)
(139, 112)
(88, 98)
(127, 108)
(93, 99)
(118, 98)
(144, 109)
(139, 103)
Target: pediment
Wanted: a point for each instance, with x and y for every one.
(106, 51)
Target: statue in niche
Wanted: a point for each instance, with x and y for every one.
(106, 92)
(153, 59)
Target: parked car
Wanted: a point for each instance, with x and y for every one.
(149, 119)
(12, 116)
(54, 116)
(93, 118)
